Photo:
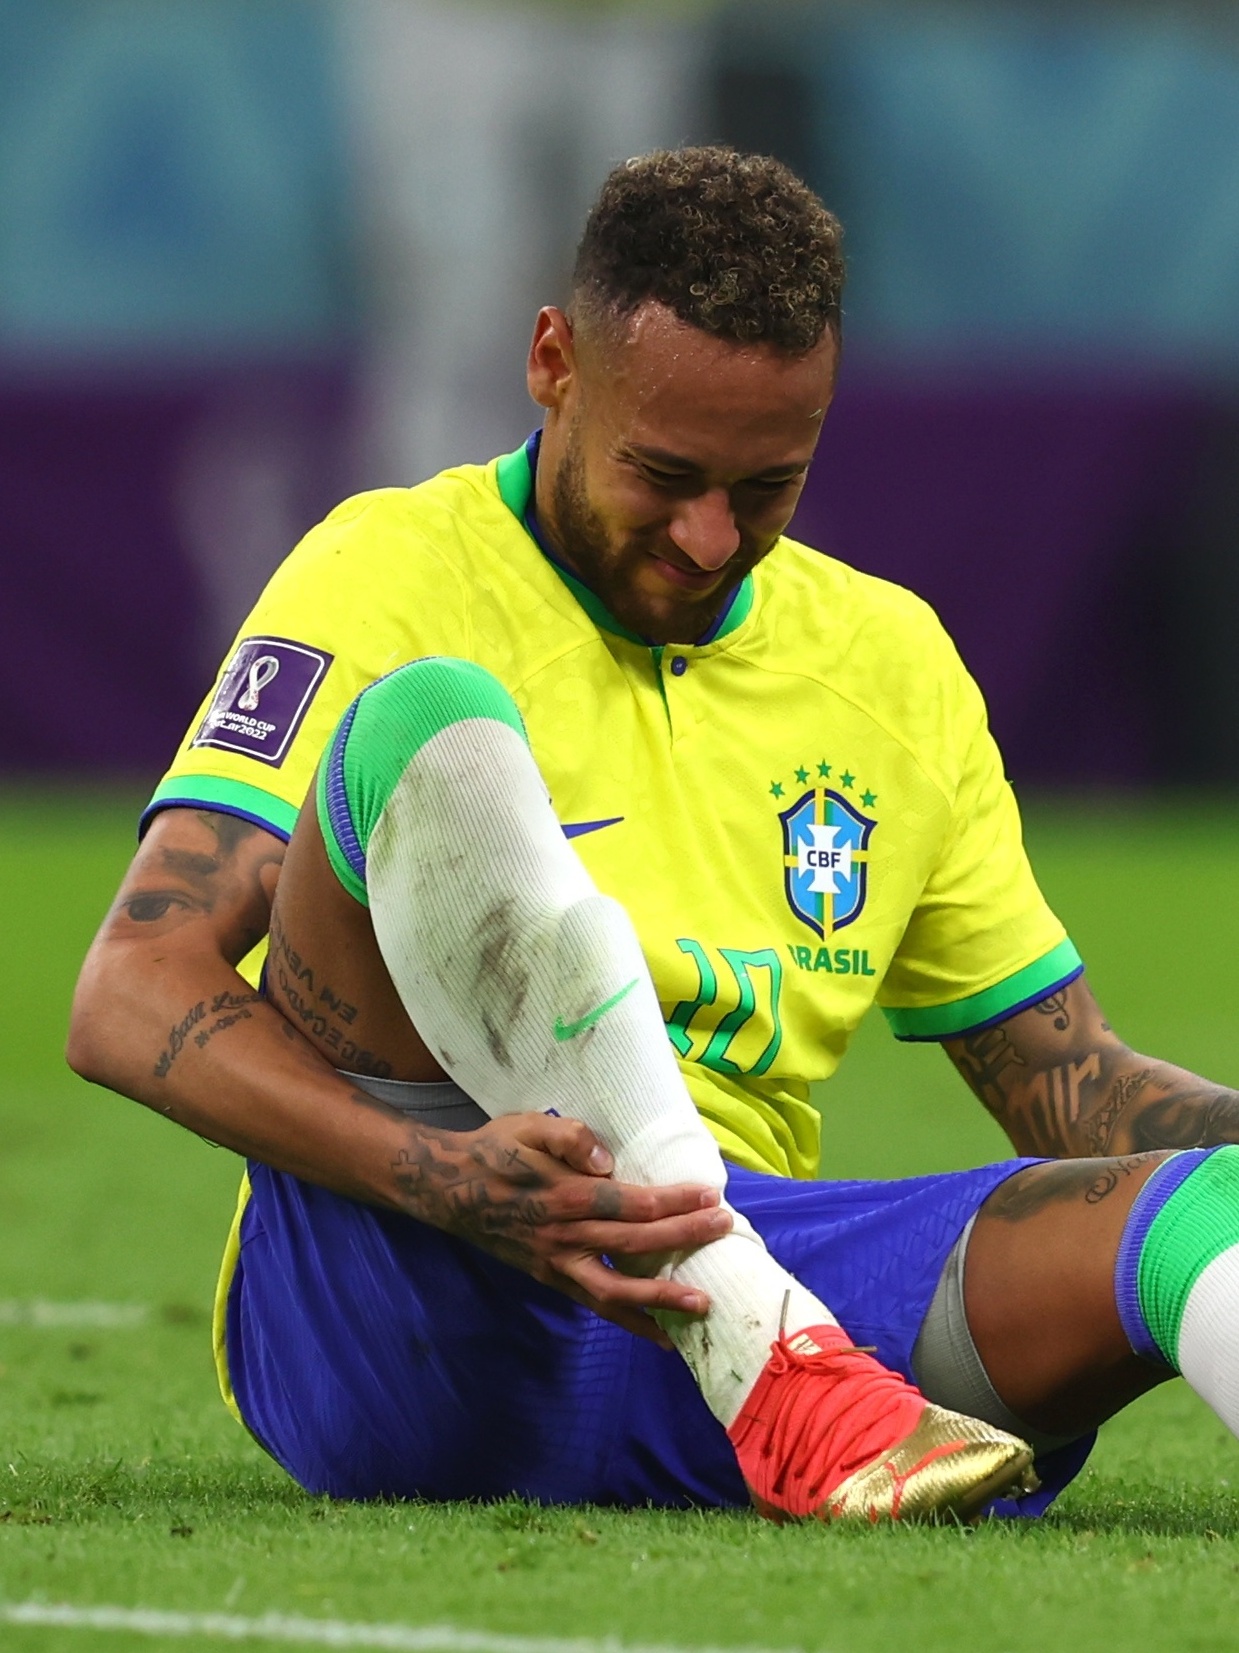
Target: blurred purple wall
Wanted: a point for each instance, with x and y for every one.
(140, 520)
(1038, 520)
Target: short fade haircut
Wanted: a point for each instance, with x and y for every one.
(733, 244)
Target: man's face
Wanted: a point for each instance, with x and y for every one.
(671, 460)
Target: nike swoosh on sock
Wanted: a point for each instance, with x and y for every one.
(569, 1030)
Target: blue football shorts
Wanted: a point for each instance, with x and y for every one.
(375, 1357)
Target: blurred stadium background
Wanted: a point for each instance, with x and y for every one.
(257, 254)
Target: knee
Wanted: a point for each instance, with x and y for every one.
(380, 734)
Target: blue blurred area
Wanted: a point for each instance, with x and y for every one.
(1037, 424)
(171, 178)
(255, 254)
(1037, 186)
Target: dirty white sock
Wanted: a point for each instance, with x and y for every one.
(528, 984)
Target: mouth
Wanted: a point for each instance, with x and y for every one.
(688, 579)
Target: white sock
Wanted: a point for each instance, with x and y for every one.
(1208, 1353)
(503, 952)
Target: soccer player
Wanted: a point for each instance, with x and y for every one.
(773, 800)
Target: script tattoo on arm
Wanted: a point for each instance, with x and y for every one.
(324, 1015)
(1061, 1083)
(234, 1008)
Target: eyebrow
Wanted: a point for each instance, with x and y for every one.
(677, 462)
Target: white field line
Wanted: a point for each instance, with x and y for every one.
(278, 1627)
(47, 1316)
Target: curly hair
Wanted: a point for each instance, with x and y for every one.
(733, 244)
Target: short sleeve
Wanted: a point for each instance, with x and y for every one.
(982, 942)
(347, 606)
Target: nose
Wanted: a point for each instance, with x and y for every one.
(705, 530)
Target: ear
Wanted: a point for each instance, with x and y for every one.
(551, 367)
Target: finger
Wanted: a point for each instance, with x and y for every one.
(620, 1314)
(613, 1201)
(572, 1142)
(635, 1321)
(613, 1290)
(615, 1239)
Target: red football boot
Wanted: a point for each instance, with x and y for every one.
(828, 1432)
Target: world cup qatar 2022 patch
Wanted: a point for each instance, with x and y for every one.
(262, 698)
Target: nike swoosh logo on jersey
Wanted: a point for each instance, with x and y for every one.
(568, 1030)
(578, 829)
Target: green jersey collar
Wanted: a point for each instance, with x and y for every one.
(514, 473)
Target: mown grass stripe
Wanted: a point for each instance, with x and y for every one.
(279, 1627)
(49, 1316)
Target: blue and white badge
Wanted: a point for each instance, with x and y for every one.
(825, 859)
(263, 697)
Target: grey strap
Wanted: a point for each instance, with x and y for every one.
(947, 1367)
(443, 1104)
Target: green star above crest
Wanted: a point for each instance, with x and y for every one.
(847, 780)
(802, 776)
(868, 799)
(776, 789)
(823, 770)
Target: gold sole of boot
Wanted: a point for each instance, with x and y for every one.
(947, 1469)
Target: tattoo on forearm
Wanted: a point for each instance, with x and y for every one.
(177, 1036)
(1054, 1097)
(235, 1008)
(324, 1014)
(986, 1060)
(1060, 1083)
(149, 906)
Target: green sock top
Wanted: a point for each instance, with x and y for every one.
(377, 738)
(1197, 1223)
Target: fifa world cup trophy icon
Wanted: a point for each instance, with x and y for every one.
(264, 671)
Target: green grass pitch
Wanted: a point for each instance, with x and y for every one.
(123, 1481)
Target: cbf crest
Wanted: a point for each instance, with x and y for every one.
(826, 855)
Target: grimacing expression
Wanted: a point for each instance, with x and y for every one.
(671, 460)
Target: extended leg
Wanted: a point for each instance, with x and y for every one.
(530, 988)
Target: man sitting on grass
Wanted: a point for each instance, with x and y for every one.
(572, 1037)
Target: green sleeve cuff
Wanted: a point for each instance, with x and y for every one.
(1026, 987)
(251, 803)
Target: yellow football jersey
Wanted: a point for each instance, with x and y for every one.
(802, 815)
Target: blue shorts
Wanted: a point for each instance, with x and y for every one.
(375, 1357)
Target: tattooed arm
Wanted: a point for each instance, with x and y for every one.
(161, 1015)
(1061, 1083)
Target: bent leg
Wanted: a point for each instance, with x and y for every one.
(529, 988)
(476, 934)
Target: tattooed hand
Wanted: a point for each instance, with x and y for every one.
(1061, 1083)
(534, 1190)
